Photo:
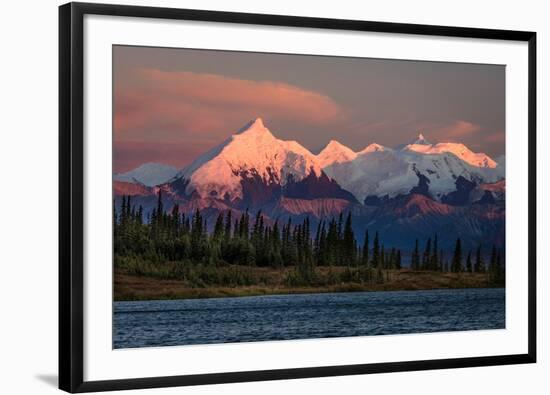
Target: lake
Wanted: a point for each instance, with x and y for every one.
(305, 316)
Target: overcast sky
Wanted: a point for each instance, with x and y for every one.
(171, 105)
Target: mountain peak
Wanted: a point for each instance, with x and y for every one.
(334, 143)
(335, 152)
(336, 146)
(252, 155)
(421, 140)
(255, 129)
(477, 159)
(253, 124)
(373, 147)
(258, 122)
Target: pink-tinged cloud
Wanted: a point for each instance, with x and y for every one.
(496, 137)
(460, 129)
(171, 105)
(450, 131)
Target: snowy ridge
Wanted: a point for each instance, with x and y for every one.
(148, 174)
(458, 149)
(253, 158)
(421, 140)
(335, 152)
(391, 173)
(385, 172)
(373, 148)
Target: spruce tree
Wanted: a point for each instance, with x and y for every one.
(323, 260)
(129, 207)
(332, 243)
(479, 266)
(366, 248)
(496, 269)
(456, 265)
(227, 232)
(340, 240)
(493, 261)
(123, 211)
(376, 251)
(427, 254)
(317, 243)
(276, 244)
(415, 258)
(219, 228)
(434, 264)
(348, 242)
(501, 276)
(160, 207)
(469, 262)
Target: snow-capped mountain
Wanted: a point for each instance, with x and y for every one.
(421, 140)
(384, 172)
(459, 150)
(391, 172)
(250, 160)
(418, 187)
(148, 174)
(372, 148)
(254, 167)
(334, 152)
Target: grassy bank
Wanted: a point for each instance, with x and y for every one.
(247, 281)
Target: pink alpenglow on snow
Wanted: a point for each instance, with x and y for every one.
(335, 152)
(473, 158)
(253, 152)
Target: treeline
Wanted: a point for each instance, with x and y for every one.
(244, 240)
(247, 240)
(433, 259)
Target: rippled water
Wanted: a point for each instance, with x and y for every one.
(285, 317)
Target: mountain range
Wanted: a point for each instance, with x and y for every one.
(417, 188)
(148, 174)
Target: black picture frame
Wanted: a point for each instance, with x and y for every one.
(71, 222)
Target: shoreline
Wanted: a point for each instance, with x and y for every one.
(128, 287)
